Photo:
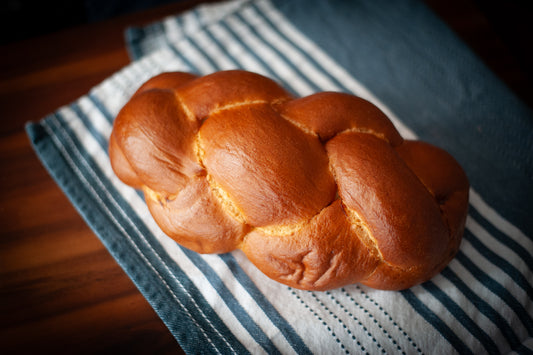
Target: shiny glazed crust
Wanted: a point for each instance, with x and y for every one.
(318, 192)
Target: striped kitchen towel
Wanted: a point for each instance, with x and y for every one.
(395, 54)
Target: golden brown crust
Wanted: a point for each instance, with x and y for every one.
(156, 138)
(374, 181)
(318, 192)
(276, 179)
(324, 253)
(228, 88)
(195, 218)
(329, 113)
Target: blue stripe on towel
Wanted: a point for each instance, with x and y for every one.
(436, 322)
(502, 264)
(485, 309)
(271, 312)
(496, 288)
(462, 317)
(521, 251)
(67, 169)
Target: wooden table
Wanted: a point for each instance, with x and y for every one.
(60, 290)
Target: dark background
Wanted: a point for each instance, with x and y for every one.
(22, 19)
(510, 21)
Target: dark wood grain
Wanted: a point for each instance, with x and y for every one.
(60, 290)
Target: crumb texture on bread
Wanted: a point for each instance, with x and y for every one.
(318, 192)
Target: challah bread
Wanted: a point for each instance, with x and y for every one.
(318, 192)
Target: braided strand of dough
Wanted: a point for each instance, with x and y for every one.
(318, 192)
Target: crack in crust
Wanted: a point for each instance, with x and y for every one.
(227, 203)
(362, 231)
(188, 113)
(355, 225)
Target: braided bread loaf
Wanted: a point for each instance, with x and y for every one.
(318, 192)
